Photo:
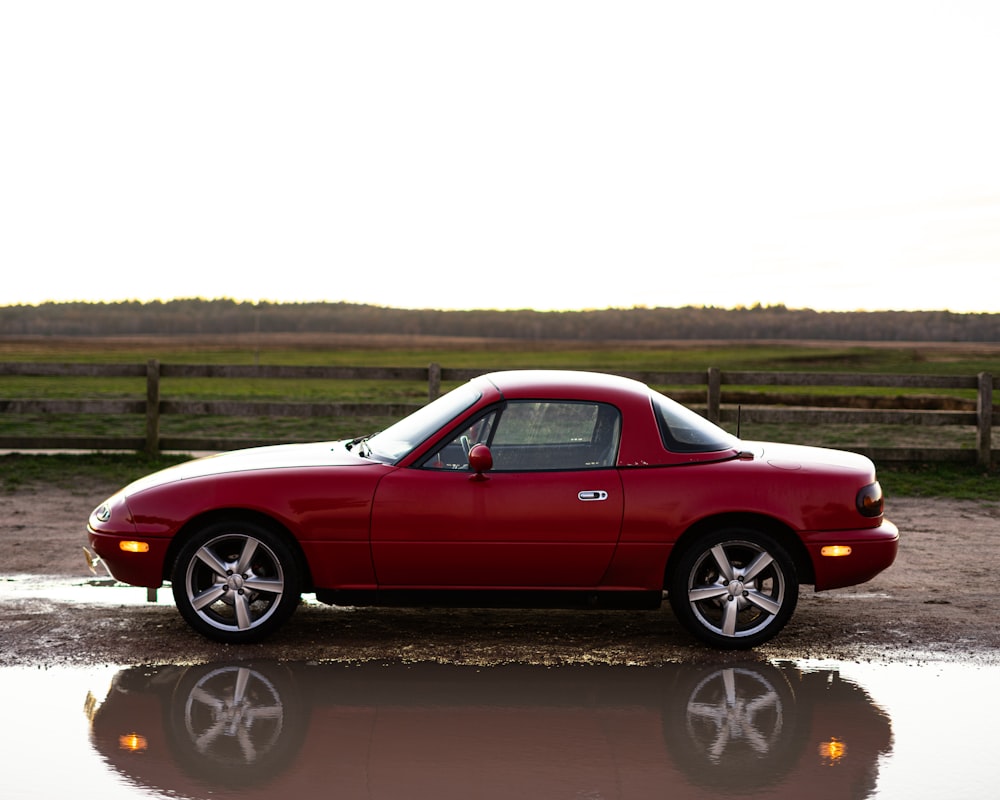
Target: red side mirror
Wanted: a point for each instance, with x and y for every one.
(480, 460)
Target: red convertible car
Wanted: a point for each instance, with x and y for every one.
(524, 488)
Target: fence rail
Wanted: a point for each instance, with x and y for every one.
(710, 383)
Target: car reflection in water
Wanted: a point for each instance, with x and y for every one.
(429, 730)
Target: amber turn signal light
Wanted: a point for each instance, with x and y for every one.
(132, 742)
(134, 547)
(832, 751)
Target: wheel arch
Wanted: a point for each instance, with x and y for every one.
(785, 536)
(236, 514)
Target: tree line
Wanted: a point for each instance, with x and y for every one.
(199, 316)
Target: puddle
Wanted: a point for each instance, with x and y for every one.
(85, 591)
(267, 729)
(101, 591)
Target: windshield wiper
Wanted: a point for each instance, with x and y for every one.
(362, 444)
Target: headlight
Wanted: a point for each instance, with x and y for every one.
(869, 500)
(112, 514)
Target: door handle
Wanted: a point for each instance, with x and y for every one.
(588, 496)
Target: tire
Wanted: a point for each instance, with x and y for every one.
(734, 589)
(236, 582)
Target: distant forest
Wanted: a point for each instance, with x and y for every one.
(197, 316)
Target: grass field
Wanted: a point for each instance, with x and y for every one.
(347, 349)
(487, 355)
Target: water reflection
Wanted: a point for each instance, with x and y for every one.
(428, 730)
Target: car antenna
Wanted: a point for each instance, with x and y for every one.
(739, 419)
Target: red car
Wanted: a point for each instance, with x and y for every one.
(528, 488)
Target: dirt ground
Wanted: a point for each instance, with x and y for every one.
(934, 603)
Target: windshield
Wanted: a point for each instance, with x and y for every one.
(399, 439)
(684, 431)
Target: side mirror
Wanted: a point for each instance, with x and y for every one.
(480, 461)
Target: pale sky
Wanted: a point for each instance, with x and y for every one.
(549, 155)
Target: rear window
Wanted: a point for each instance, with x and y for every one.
(684, 431)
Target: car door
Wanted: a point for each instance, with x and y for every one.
(547, 516)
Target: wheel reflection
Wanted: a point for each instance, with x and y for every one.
(734, 710)
(233, 716)
(396, 730)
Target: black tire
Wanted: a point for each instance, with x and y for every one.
(734, 588)
(236, 581)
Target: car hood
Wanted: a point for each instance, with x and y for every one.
(281, 456)
(795, 457)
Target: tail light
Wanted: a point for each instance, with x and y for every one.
(869, 500)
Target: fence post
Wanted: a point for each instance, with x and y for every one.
(433, 381)
(153, 408)
(984, 421)
(713, 409)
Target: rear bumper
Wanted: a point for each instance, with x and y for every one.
(872, 551)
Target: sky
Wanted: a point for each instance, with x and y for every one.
(549, 155)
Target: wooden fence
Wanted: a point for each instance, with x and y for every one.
(718, 406)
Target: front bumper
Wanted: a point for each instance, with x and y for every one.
(137, 569)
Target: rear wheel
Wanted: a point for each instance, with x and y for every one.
(734, 588)
(236, 581)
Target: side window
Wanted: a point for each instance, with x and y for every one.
(538, 435)
(455, 454)
(555, 435)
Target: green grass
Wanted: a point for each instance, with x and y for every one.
(67, 470)
(848, 436)
(192, 426)
(278, 389)
(613, 357)
(958, 482)
(506, 354)
(936, 480)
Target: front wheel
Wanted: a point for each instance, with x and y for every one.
(236, 582)
(734, 588)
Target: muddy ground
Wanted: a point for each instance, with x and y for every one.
(937, 602)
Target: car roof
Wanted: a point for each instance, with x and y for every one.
(563, 383)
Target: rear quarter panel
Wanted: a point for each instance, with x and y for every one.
(663, 503)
